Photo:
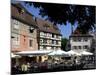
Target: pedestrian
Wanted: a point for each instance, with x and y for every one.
(24, 67)
(28, 66)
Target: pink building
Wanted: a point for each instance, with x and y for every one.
(23, 30)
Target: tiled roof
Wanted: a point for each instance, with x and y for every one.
(51, 28)
(18, 12)
(26, 17)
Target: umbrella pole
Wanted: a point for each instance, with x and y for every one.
(17, 61)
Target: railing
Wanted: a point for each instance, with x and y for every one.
(52, 38)
(50, 44)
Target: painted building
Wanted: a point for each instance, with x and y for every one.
(81, 42)
(23, 29)
(28, 34)
(93, 47)
(49, 36)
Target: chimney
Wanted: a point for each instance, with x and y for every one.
(35, 19)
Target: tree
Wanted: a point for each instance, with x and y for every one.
(93, 46)
(64, 42)
(61, 13)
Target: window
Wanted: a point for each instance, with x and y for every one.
(30, 43)
(52, 35)
(79, 47)
(24, 38)
(58, 47)
(41, 40)
(44, 41)
(15, 40)
(52, 48)
(45, 34)
(85, 39)
(44, 47)
(74, 47)
(57, 36)
(85, 47)
(41, 33)
(74, 39)
(52, 41)
(57, 42)
(22, 11)
(16, 24)
(79, 39)
(46, 26)
(41, 47)
(48, 34)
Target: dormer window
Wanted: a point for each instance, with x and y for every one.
(22, 11)
(31, 29)
(46, 26)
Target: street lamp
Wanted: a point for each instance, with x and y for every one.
(31, 29)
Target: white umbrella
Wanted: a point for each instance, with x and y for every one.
(72, 52)
(86, 53)
(58, 53)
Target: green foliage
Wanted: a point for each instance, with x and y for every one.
(64, 42)
(61, 13)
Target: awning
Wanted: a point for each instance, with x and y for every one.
(33, 53)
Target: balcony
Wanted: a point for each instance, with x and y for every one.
(49, 37)
(55, 45)
(50, 44)
(45, 44)
(55, 38)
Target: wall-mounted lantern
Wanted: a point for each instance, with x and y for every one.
(31, 29)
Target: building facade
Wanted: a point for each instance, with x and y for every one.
(93, 47)
(81, 42)
(28, 34)
(23, 30)
(49, 36)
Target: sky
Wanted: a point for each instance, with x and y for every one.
(65, 29)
